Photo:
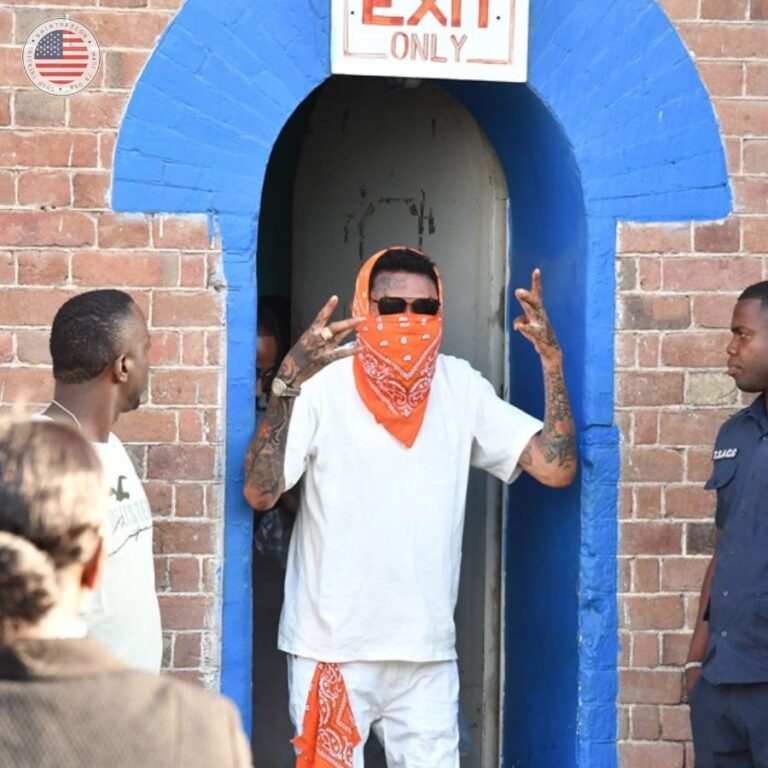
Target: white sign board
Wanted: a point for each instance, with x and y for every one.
(453, 39)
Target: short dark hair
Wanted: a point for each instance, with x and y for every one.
(87, 333)
(756, 291)
(404, 260)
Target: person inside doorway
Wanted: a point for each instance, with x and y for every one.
(382, 434)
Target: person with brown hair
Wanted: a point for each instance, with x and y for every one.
(66, 701)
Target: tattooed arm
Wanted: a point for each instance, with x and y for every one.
(318, 346)
(551, 455)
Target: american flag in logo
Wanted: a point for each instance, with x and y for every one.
(61, 57)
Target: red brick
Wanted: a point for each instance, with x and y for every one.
(212, 574)
(184, 574)
(757, 79)
(648, 388)
(733, 154)
(5, 108)
(722, 78)
(6, 26)
(675, 724)
(724, 9)
(700, 463)
(645, 574)
(688, 501)
(648, 350)
(750, 195)
(6, 346)
(164, 349)
(186, 309)
(652, 465)
(625, 575)
(710, 273)
(33, 385)
(651, 754)
(646, 428)
(182, 462)
(7, 188)
(624, 350)
(714, 311)
(649, 273)
(625, 502)
(681, 9)
(147, 425)
(649, 538)
(756, 156)
(674, 648)
(43, 267)
(160, 497)
(7, 268)
(187, 612)
(657, 612)
(187, 650)
(32, 347)
(35, 108)
(178, 386)
(135, 268)
(122, 68)
(745, 117)
(695, 350)
(758, 10)
(107, 141)
(722, 237)
(139, 29)
(654, 238)
(45, 228)
(123, 231)
(193, 270)
(651, 687)
(190, 232)
(91, 190)
(213, 344)
(189, 500)
(190, 426)
(689, 427)
(646, 312)
(717, 41)
(646, 722)
(30, 306)
(44, 189)
(756, 236)
(47, 149)
(97, 110)
(11, 70)
(184, 537)
(683, 574)
(162, 578)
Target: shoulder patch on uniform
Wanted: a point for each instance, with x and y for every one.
(725, 453)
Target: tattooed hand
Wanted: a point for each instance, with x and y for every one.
(551, 455)
(318, 346)
(534, 324)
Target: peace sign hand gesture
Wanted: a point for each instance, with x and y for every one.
(535, 325)
(318, 346)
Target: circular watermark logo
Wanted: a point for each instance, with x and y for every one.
(61, 56)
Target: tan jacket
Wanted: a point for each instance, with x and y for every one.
(70, 703)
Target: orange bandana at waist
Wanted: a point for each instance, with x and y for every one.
(395, 360)
(329, 734)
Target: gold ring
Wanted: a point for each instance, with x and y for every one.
(326, 334)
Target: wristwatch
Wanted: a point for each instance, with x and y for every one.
(281, 388)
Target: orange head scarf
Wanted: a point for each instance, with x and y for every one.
(396, 358)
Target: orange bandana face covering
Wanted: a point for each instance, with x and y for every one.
(395, 360)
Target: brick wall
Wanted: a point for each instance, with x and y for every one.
(677, 286)
(58, 236)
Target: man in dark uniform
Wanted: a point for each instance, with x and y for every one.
(727, 667)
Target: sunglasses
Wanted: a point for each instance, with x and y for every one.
(394, 305)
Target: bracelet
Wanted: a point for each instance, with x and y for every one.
(692, 665)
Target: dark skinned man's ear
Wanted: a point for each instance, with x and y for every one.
(120, 367)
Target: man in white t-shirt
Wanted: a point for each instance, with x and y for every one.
(383, 438)
(99, 346)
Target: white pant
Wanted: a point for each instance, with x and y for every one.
(412, 708)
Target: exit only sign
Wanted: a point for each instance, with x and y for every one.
(454, 39)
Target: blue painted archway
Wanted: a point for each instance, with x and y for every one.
(613, 124)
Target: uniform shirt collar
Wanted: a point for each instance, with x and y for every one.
(757, 412)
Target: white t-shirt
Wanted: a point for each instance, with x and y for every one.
(373, 567)
(123, 613)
